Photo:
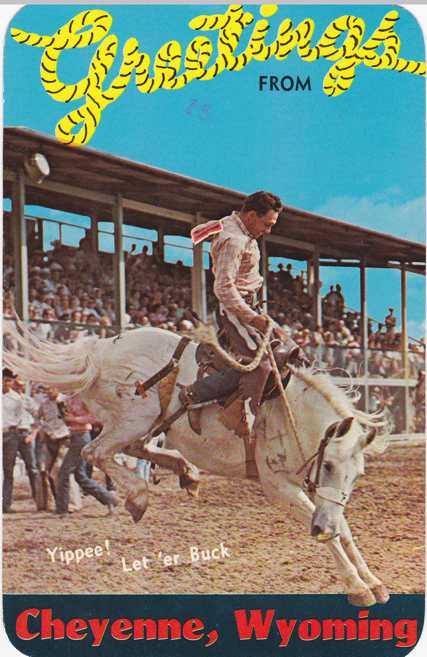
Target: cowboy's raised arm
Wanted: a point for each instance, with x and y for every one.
(228, 256)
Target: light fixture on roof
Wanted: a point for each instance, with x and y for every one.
(37, 167)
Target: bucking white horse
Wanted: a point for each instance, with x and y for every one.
(325, 447)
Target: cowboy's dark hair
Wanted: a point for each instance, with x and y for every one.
(262, 202)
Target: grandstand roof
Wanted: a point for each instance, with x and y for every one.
(87, 181)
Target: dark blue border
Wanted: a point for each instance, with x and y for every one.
(217, 611)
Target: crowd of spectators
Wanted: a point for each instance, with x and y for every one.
(76, 286)
(337, 343)
(71, 296)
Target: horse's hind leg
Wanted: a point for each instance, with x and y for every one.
(171, 459)
(376, 585)
(101, 453)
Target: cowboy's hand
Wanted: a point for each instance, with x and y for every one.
(260, 322)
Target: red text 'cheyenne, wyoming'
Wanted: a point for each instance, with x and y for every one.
(252, 624)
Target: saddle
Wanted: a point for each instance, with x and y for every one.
(233, 415)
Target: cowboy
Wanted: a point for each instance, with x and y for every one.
(236, 257)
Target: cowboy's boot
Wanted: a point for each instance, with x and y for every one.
(214, 386)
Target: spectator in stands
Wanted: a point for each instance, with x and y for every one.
(285, 277)
(341, 331)
(316, 345)
(105, 331)
(354, 359)
(378, 333)
(340, 300)
(390, 322)
(330, 348)
(109, 311)
(63, 331)
(331, 303)
(46, 329)
(63, 305)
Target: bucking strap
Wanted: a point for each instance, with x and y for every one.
(149, 383)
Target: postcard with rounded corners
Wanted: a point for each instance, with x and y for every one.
(213, 330)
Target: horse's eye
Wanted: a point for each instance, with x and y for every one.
(328, 466)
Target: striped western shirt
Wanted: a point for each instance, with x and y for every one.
(235, 257)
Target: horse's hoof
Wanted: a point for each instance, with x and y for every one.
(187, 481)
(193, 489)
(364, 599)
(381, 594)
(135, 510)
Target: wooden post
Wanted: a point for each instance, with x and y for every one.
(198, 280)
(161, 243)
(119, 265)
(94, 234)
(317, 292)
(405, 347)
(310, 277)
(404, 314)
(364, 328)
(264, 273)
(40, 233)
(20, 246)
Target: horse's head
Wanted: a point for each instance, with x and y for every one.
(339, 462)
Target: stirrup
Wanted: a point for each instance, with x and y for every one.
(193, 415)
(194, 410)
(185, 396)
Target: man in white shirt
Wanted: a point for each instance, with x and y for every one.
(19, 432)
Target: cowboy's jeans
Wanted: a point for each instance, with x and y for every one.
(14, 442)
(74, 464)
(216, 385)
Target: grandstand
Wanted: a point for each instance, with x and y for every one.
(112, 288)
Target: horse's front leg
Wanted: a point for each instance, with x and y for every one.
(280, 491)
(101, 451)
(376, 585)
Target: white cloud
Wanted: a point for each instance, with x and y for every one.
(381, 211)
(416, 329)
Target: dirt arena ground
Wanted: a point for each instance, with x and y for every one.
(265, 551)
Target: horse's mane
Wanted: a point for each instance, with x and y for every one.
(342, 399)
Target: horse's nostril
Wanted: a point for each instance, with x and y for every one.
(315, 530)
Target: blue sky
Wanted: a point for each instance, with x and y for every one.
(359, 157)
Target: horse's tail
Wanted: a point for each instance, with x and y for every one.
(72, 368)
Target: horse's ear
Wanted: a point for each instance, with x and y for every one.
(331, 430)
(344, 427)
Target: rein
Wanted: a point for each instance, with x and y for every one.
(264, 348)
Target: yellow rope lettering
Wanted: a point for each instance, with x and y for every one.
(89, 27)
